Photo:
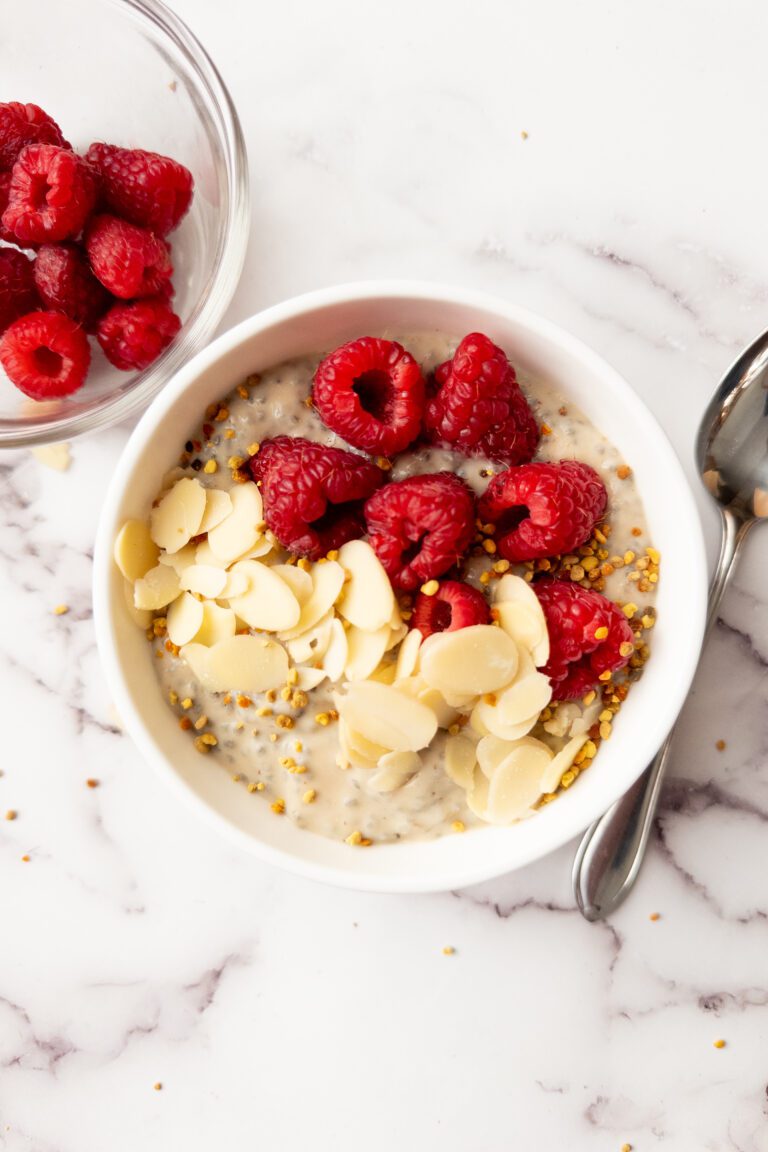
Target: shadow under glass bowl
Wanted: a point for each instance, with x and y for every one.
(129, 72)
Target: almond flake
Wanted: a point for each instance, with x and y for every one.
(327, 582)
(385, 716)
(140, 616)
(513, 590)
(460, 760)
(560, 763)
(185, 618)
(177, 517)
(236, 585)
(180, 560)
(218, 624)
(206, 556)
(239, 531)
(395, 769)
(486, 720)
(408, 656)
(516, 784)
(299, 581)
(477, 795)
(135, 551)
(268, 603)
(158, 587)
(364, 651)
(312, 645)
(204, 579)
(368, 600)
(475, 660)
(218, 505)
(196, 656)
(309, 678)
(335, 656)
(358, 751)
(245, 664)
(55, 456)
(396, 635)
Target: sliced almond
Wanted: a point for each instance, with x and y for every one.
(259, 550)
(396, 635)
(268, 603)
(309, 678)
(446, 715)
(477, 795)
(156, 588)
(203, 579)
(236, 584)
(491, 751)
(205, 555)
(327, 582)
(185, 618)
(239, 531)
(553, 773)
(364, 651)
(356, 750)
(312, 645)
(177, 517)
(196, 656)
(384, 674)
(140, 616)
(460, 760)
(218, 505)
(299, 581)
(368, 600)
(524, 698)
(180, 560)
(476, 660)
(246, 664)
(385, 716)
(516, 784)
(522, 625)
(395, 769)
(335, 655)
(217, 624)
(487, 720)
(408, 656)
(514, 590)
(135, 551)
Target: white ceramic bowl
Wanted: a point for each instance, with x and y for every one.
(319, 321)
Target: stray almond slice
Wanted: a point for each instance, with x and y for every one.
(239, 531)
(299, 581)
(335, 655)
(54, 456)
(245, 664)
(218, 505)
(560, 763)
(156, 588)
(368, 600)
(203, 579)
(385, 716)
(268, 603)
(180, 560)
(140, 616)
(177, 517)
(135, 551)
(327, 582)
(217, 624)
(408, 656)
(395, 769)
(516, 784)
(312, 645)
(185, 618)
(309, 678)
(460, 760)
(364, 651)
(475, 660)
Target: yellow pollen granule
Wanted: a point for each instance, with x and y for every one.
(210, 467)
(278, 807)
(252, 449)
(489, 546)
(61, 610)
(590, 696)
(601, 633)
(187, 703)
(304, 564)
(485, 577)
(430, 588)
(209, 739)
(309, 796)
(448, 950)
(501, 566)
(604, 676)
(333, 554)
(263, 711)
(201, 722)
(653, 555)
(458, 826)
(629, 610)
(626, 649)
(322, 718)
(354, 838)
(605, 730)
(719, 1043)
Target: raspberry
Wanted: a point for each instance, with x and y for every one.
(372, 393)
(66, 284)
(22, 124)
(312, 494)
(455, 605)
(45, 354)
(543, 509)
(17, 286)
(420, 527)
(478, 408)
(128, 260)
(577, 657)
(133, 335)
(5, 190)
(143, 187)
(52, 193)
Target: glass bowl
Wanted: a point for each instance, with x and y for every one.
(131, 73)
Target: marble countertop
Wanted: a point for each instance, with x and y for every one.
(139, 949)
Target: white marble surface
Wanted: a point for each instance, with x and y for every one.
(139, 948)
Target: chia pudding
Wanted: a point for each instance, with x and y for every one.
(281, 746)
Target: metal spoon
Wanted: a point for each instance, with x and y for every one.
(732, 457)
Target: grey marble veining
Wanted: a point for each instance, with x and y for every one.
(137, 947)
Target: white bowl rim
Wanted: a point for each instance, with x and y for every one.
(582, 813)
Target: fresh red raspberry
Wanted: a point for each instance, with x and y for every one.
(128, 260)
(478, 408)
(51, 196)
(372, 393)
(143, 187)
(455, 605)
(66, 284)
(17, 286)
(133, 335)
(45, 354)
(588, 635)
(22, 124)
(420, 527)
(543, 509)
(313, 495)
(5, 191)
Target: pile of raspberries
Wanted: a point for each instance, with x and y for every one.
(373, 394)
(83, 251)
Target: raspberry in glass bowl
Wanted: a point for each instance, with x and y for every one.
(149, 86)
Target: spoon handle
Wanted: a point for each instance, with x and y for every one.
(611, 851)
